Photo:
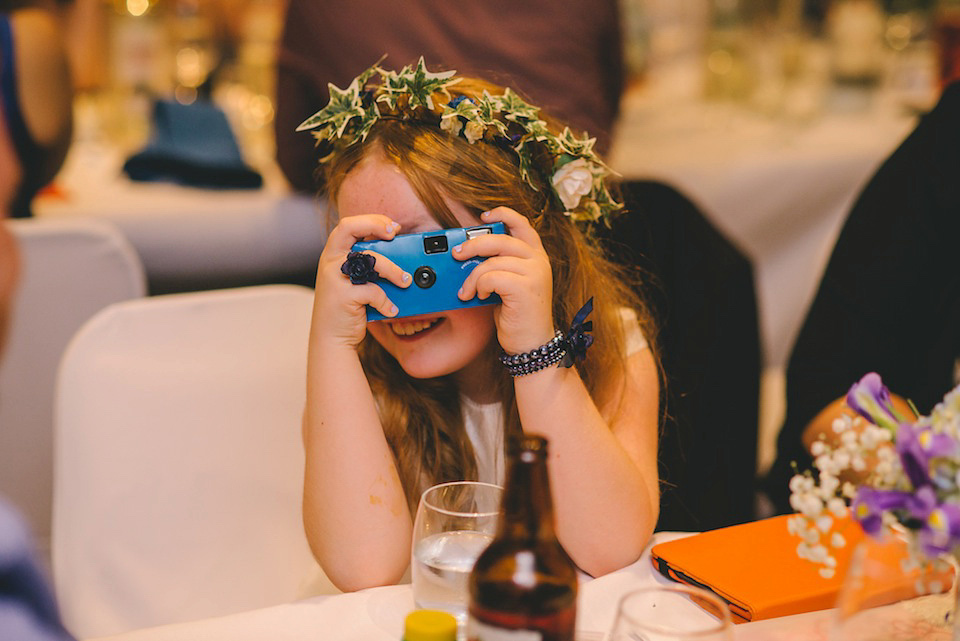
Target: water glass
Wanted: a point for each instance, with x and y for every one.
(671, 613)
(884, 597)
(454, 523)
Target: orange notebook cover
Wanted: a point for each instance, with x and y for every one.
(754, 567)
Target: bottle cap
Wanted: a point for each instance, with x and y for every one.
(429, 625)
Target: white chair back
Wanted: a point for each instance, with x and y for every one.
(179, 460)
(70, 270)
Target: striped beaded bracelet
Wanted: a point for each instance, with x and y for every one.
(536, 359)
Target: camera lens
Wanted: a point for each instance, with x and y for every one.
(424, 277)
(434, 244)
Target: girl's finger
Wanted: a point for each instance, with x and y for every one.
(389, 270)
(374, 296)
(517, 224)
(518, 266)
(353, 228)
(506, 284)
(493, 245)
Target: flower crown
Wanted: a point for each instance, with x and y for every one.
(575, 173)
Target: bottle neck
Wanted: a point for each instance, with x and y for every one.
(527, 503)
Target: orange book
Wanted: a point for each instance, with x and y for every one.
(754, 567)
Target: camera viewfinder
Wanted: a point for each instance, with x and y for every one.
(434, 244)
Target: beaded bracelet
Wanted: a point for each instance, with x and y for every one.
(536, 359)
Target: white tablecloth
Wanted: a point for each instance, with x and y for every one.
(377, 615)
(190, 238)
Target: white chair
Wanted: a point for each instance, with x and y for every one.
(70, 270)
(179, 460)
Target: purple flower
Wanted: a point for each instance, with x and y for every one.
(871, 503)
(913, 458)
(870, 398)
(922, 502)
(359, 267)
(941, 530)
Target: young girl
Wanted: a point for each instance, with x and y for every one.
(397, 405)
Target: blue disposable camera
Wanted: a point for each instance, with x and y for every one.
(437, 275)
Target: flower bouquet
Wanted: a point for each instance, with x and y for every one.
(909, 471)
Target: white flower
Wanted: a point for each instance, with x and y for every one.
(451, 124)
(818, 554)
(837, 507)
(824, 522)
(827, 573)
(572, 182)
(837, 540)
(797, 483)
(841, 424)
(473, 131)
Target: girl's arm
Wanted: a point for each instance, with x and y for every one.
(603, 460)
(354, 508)
(603, 468)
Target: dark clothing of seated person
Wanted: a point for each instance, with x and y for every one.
(889, 300)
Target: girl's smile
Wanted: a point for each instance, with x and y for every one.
(412, 328)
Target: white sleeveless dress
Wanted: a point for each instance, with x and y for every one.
(484, 421)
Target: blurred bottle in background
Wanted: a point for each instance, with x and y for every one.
(139, 68)
(946, 28)
(855, 30)
(913, 75)
(728, 74)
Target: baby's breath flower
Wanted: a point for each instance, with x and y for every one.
(837, 507)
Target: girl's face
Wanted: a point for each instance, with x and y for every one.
(429, 345)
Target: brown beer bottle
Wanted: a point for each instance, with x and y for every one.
(523, 587)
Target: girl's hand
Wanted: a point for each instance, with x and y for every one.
(339, 307)
(518, 269)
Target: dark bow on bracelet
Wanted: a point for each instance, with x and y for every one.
(577, 339)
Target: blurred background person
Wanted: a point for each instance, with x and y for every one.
(35, 96)
(889, 301)
(566, 54)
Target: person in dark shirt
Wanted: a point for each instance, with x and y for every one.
(889, 300)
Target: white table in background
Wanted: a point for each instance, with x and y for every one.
(192, 238)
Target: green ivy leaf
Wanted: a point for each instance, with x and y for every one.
(343, 106)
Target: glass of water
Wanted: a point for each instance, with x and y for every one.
(455, 522)
(671, 613)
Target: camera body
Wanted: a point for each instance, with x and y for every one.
(437, 275)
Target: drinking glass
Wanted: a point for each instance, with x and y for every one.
(455, 522)
(886, 598)
(671, 613)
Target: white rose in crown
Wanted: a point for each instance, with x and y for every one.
(473, 131)
(572, 182)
